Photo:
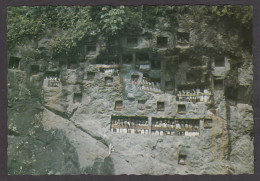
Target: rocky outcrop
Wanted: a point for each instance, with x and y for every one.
(62, 108)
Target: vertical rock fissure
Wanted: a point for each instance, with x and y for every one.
(227, 106)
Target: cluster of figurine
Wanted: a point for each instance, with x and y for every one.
(168, 126)
(129, 122)
(191, 127)
(144, 67)
(187, 124)
(130, 130)
(108, 70)
(129, 125)
(187, 133)
(178, 124)
(164, 123)
(182, 40)
(53, 81)
(161, 133)
(194, 95)
(150, 85)
(175, 133)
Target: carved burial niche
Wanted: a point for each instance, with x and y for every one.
(53, 78)
(183, 37)
(182, 158)
(181, 108)
(162, 42)
(108, 81)
(53, 83)
(77, 97)
(90, 76)
(207, 123)
(218, 84)
(127, 58)
(132, 41)
(14, 63)
(219, 61)
(160, 106)
(118, 105)
(35, 69)
(134, 79)
(141, 104)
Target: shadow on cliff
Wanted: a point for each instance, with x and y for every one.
(101, 167)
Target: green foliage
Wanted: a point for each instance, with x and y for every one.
(27, 22)
(67, 27)
(241, 14)
(73, 25)
(112, 20)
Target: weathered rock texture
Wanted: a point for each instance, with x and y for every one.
(65, 127)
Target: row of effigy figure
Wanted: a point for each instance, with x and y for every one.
(53, 81)
(129, 121)
(130, 130)
(194, 95)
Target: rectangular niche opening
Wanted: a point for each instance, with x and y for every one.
(134, 79)
(77, 98)
(130, 124)
(162, 42)
(218, 84)
(169, 85)
(160, 106)
(208, 123)
(108, 81)
(14, 63)
(163, 126)
(219, 61)
(132, 41)
(181, 108)
(118, 105)
(90, 75)
(182, 159)
(127, 58)
(53, 78)
(183, 38)
(141, 104)
(156, 65)
(35, 69)
(72, 65)
(142, 56)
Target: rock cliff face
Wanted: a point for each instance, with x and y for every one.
(173, 102)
